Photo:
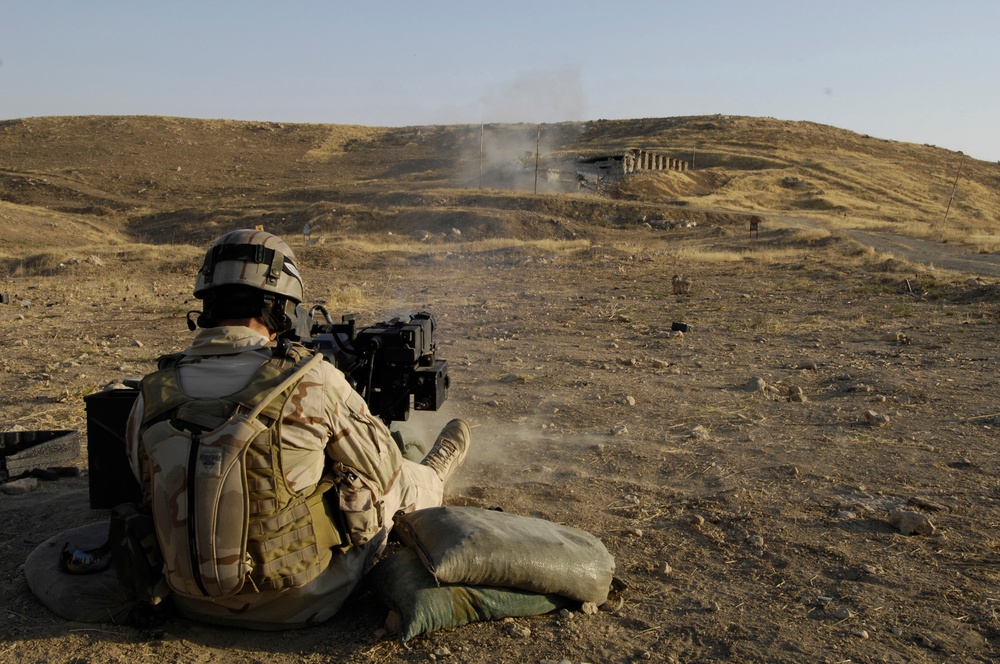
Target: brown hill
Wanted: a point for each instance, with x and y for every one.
(156, 179)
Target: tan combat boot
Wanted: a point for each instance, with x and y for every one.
(449, 449)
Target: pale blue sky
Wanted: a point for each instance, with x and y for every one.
(914, 70)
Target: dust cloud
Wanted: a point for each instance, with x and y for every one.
(516, 149)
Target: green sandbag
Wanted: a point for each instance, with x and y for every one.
(481, 547)
(405, 586)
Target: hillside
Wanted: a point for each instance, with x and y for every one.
(155, 179)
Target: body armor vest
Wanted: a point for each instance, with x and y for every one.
(224, 515)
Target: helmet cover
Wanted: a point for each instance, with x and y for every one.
(250, 258)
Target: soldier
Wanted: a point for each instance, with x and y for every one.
(271, 484)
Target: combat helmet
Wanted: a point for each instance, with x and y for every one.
(250, 258)
(249, 261)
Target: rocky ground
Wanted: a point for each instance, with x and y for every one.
(749, 475)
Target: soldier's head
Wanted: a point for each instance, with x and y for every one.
(249, 274)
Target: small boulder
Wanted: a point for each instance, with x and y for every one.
(876, 419)
(911, 523)
(21, 486)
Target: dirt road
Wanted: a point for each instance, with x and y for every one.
(925, 252)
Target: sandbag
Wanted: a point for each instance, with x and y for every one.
(406, 587)
(482, 547)
(90, 598)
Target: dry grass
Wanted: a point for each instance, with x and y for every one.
(168, 258)
(339, 136)
(407, 245)
(350, 297)
(980, 235)
(246, 173)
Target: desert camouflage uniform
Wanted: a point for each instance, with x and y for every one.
(324, 418)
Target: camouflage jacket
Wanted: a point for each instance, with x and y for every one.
(324, 423)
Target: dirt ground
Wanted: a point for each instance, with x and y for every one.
(748, 523)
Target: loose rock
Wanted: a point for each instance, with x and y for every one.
(518, 631)
(843, 613)
(20, 486)
(699, 433)
(911, 523)
(755, 384)
(876, 419)
(927, 504)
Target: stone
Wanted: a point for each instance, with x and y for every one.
(660, 364)
(927, 504)
(911, 523)
(755, 384)
(876, 419)
(21, 486)
(699, 432)
(588, 608)
(619, 430)
(518, 631)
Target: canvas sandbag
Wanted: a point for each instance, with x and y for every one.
(90, 598)
(480, 547)
(406, 587)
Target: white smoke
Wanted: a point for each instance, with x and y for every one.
(536, 97)
(527, 119)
